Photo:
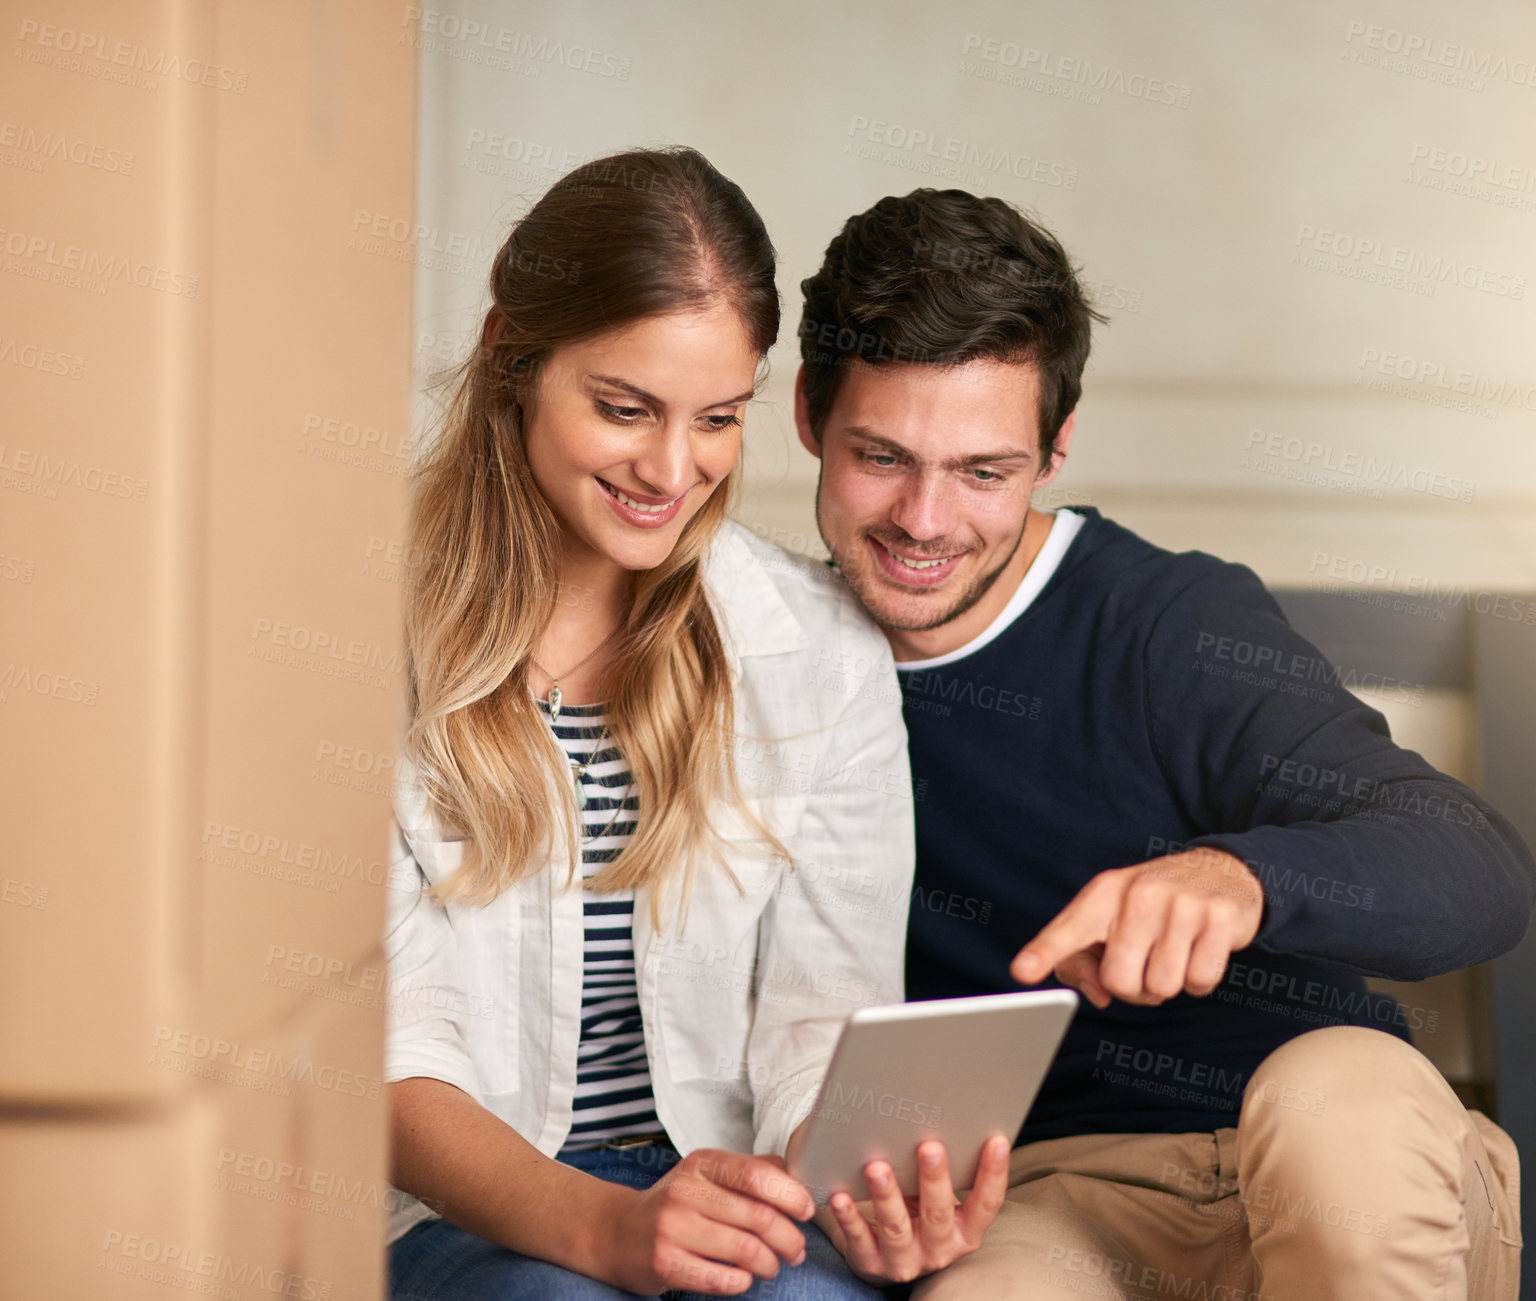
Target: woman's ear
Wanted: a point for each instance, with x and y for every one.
(491, 330)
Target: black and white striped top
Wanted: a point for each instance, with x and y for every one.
(613, 1080)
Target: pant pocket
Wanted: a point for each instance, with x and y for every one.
(1188, 1166)
(1504, 1159)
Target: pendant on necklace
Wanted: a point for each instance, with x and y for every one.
(578, 771)
(553, 701)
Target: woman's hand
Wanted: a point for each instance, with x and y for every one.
(714, 1223)
(884, 1242)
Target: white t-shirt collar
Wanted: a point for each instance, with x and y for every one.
(1064, 528)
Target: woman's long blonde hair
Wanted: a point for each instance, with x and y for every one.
(635, 235)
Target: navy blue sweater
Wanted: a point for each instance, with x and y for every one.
(1146, 702)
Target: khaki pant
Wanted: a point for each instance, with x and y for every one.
(1354, 1172)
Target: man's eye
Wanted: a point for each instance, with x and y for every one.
(624, 415)
(987, 476)
(880, 460)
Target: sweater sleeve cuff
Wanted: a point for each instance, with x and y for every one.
(1303, 907)
(1241, 847)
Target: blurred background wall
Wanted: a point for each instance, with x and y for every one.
(1313, 227)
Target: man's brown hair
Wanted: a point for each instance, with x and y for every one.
(943, 277)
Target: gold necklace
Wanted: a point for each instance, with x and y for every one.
(555, 696)
(578, 775)
(617, 809)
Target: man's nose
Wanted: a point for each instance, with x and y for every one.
(925, 509)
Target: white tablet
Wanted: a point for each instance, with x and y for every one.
(955, 1069)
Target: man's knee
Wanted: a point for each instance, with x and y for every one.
(1337, 1094)
(1341, 1068)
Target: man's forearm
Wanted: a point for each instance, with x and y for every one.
(1400, 894)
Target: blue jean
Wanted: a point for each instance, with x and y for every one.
(437, 1261)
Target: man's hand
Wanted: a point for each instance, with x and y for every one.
(894, 1239)
(1148, 932)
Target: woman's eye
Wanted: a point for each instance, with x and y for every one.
(718, 424)
(624, 415)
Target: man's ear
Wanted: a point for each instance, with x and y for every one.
(1063, 446)
(808, 440)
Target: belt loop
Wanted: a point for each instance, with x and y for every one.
(1226, 1161)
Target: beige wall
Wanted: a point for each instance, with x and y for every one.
(1201, 219)
(201, 640)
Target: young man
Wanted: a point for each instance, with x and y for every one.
(1139, 778)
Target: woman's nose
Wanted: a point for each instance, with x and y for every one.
(665, 464)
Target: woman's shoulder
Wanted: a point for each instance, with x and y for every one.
(775, 600)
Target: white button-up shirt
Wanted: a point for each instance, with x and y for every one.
(743, 1002)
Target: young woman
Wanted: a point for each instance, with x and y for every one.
(655, 832)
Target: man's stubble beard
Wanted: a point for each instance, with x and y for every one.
(862, 584)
